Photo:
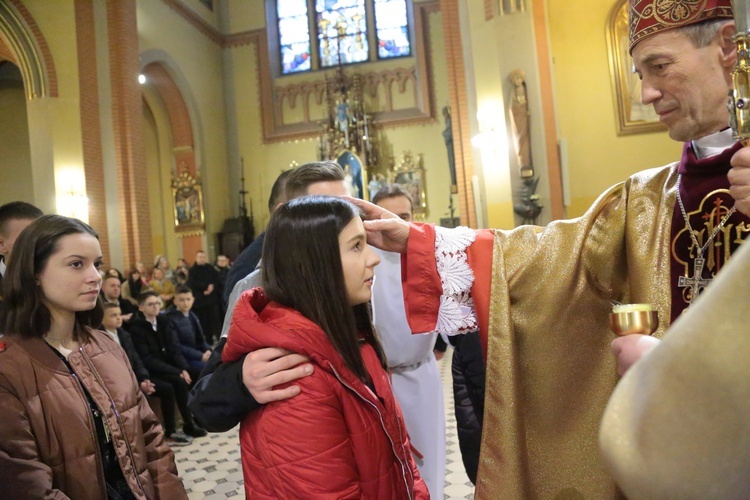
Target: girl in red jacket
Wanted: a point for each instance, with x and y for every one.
(343, 436)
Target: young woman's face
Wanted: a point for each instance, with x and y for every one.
(71, 281)
(157, 274)
(357, 262)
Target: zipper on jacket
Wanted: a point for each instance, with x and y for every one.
(401, 436)
(97, 452)
(403, 466)
(117, 418)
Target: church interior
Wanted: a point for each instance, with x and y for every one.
(164, 123)
(83, 136)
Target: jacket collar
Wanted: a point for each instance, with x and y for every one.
(41, 352)
(259, 322)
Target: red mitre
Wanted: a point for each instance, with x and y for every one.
(648, 17)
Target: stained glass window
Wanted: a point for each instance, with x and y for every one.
(392, 28)
(339, 34)
(342, 31)
(294, 36)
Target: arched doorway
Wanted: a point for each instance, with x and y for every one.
(16, 181)
(27, 77)
(170, 144)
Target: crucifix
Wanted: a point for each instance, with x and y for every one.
(697, 282)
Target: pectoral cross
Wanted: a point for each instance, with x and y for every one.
(697, 281)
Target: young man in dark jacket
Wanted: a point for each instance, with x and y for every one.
(189, 333)
(112, 324)
(157, 347)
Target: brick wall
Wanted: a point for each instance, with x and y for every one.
(127, 114)
(93, 162)
(459, 111)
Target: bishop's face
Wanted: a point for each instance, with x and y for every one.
(687, 86)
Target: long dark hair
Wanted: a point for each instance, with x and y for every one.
(25, 312)
(301, 269)
(135, 284)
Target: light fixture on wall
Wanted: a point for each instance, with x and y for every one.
(489, 137)
(73, 204)
(141, 78)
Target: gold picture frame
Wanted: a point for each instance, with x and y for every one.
(409, 174)
(187, 197)
(632, 116)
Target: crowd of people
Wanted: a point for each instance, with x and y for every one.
(317, 332)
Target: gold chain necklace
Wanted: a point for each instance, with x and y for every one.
(697, 282)
(58, 342)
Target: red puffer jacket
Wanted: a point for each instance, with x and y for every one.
(336, 439)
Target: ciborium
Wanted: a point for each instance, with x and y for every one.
(739, 94)
(627, 319)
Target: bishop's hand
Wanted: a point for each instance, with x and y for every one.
(385, 230)
(739, 180)
(629, 349)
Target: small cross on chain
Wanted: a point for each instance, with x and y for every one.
(697, 282)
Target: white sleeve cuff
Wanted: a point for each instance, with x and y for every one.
(456, 314)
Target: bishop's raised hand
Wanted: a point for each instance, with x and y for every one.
(739, 179)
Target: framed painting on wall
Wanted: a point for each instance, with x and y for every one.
(355, 172)
(632, 116)
(409, 174)
(187, 195)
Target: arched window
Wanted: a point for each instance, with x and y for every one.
(343, 32)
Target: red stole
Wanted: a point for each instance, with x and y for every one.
(705, 193)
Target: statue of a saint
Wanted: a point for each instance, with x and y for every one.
(519, 114)
(448, 137)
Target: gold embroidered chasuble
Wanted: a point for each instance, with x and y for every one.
(550, 370)
(542, 298)
(677, 424)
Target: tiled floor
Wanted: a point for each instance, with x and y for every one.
(211, 467)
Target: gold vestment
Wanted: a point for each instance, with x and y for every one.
(550, 370)
(678, 424)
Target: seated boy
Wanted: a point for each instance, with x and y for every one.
(158, 349)
(187, 328)
(112, 324)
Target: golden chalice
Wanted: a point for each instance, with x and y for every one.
(627, 319)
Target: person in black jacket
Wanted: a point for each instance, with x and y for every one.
(157, 347)
(188, 331)
(468, 371)
(248, 259)
(112, 324)
(205, 282)
(111, 293)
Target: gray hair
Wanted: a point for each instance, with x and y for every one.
(701, 34)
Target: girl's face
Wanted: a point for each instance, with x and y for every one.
(163, 263)
(357, 262)
(70, 281)
(157, 274)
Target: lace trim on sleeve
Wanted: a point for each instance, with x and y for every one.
(456, 314)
